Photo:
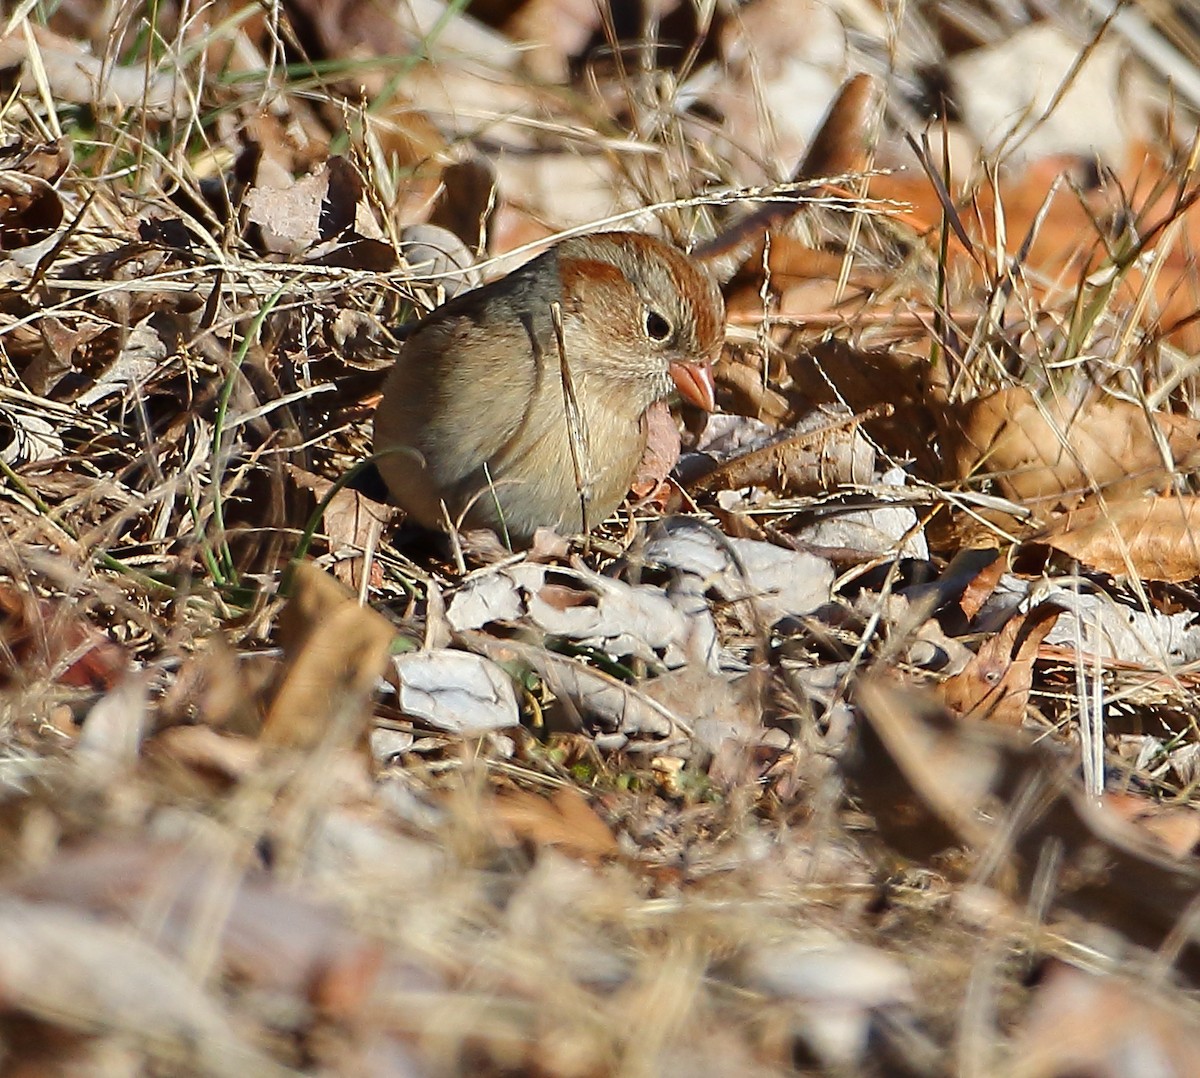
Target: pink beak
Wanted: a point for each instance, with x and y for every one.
(695, 383)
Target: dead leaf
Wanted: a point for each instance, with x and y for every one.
(112, 731)
(823, 451)
(772, 581)
(1177, 827)
(1049, 451)
(1088, 117)
(1152, 538)
(63, 967)
(335, 652)
(352, 523)
(995, 685)
(1104, 1027)
(30, 210)
(323, 205)
(609, 705)
(554, 31)
(269, 936)
(75, 75)
(983, 583)
(932, 782)
(564, 820)
(662, 450)
(455, 691)
(45, 638)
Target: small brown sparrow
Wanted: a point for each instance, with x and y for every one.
(523, 404)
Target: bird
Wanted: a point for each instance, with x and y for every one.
(523, 403)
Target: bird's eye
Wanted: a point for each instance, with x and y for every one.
(657, 327)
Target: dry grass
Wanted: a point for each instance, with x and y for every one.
(223, 853)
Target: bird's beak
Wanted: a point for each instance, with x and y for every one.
(695, 384)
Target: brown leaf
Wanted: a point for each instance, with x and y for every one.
(932, 782)
(982, 585)
(922, 775)
(353, 524)
(30, 210)
(1177, 827)
(822, 452)
(1151, 538)
(335, 652)
(1050, 451)
(1087, 1024)
(75, 75)
(564, 820)
(662, 450)
(63, 967)
(555, 30)
(53, 638)
(995, 685)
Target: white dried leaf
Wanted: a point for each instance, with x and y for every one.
(142, 354)
(605, 702)
(26, 438)
(456, 691)
(1110, 629)
(436, 252)
(74, 74)
(68, 969)
(835, 986)
(779, 582)
(112, 732)
(617, 618)
(1008, 114)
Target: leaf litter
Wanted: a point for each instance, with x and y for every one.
(865, 744)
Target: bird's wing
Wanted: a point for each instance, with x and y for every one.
(460, 415)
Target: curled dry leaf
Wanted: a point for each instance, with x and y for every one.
(662, 450)
(1152, 538)
(564, 820)
(995, 685)
(932, 782)
(840, 146)
(26, 437)
(45, 638)
(455, 691)
(1052, 450)
(30, 210)
(835, 987)
(1107, 629)
(45, 160)
(773, 581)
(743, 392)
(438, 254)
(784, 59)
(335, 652)
(320, 206)
(1015, 115)
(586, 698)
(1177, 827)
(269, 937)
(352, 524)
(821, 452)
(576, 604)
